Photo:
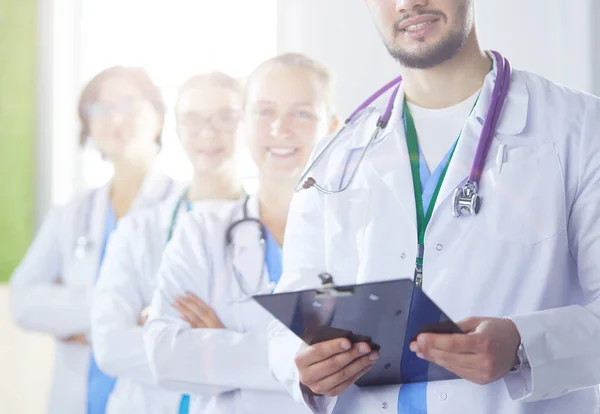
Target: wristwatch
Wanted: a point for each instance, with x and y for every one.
(522, 361)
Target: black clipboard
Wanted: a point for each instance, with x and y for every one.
(382, 314)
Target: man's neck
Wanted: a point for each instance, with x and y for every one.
(451, 82)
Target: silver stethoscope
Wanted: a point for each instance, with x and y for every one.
(83, 243)
(229, 245)
(262, 287)
(466, 199)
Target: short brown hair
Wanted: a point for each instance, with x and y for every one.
(214, 78)
(300, 61)
(138, 77)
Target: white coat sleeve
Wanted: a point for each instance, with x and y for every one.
(118, 300)
(562, 344)
(39, 300)
(199, 361)
(303, 261)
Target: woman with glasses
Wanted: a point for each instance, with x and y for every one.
(121, 113)
(205, 335)
(207, 113)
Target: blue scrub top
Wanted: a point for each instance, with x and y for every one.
(101, 385)
(273, 258)
(413, 397)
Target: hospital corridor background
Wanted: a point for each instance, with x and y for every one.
(50, 49)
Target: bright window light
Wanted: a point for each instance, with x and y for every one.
(174, 40)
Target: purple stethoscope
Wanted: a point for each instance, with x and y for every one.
(466, 199)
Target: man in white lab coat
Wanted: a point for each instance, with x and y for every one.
(522, 276)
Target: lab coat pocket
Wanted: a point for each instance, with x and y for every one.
(524, 200)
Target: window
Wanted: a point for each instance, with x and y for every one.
(174, 40)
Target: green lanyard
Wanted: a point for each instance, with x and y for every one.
(423, 217)
(188, 207)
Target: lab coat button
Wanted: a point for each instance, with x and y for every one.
(403, 256)
(384, 405)
(443, 396)
(439, 247)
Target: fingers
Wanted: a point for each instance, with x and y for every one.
(195, 299)
(196, 312)
(336, 383)
(319, 352)
(208, 313)
(456, 361)
(334, 392)
(335, 363)
(457, 343)
(474, 368)
(469, 324)
(189, 313)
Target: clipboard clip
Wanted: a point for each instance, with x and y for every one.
(328, 288)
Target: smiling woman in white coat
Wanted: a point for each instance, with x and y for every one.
(122, 114)
(221, 259)
(208, 113)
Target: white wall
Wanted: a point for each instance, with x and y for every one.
(593, 19)
(340, 34)
(59, 80)
(549, 37)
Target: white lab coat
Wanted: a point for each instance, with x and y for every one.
(51, 290)
(126, 285)
(228, 367)
(533, 252)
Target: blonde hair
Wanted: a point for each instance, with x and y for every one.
(219, 79)
(300, 61)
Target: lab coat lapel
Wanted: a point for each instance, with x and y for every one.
(155, 188)
(248, 250)
(512, 122)
(390, 161)
(96, 202)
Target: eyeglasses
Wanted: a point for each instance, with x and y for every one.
(124, 106)
(224, 120)
(265, 116)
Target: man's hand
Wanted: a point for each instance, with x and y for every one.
(329, 368)
(197, 313)
(485, 353)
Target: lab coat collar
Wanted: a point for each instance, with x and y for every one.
(94, 205)
(514, 113)
(248, 248)
(92, 212)
(389, 157)
(155, 188)
(513, 118)
(512, 122)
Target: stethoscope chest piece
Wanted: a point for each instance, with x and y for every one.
(466, 200)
